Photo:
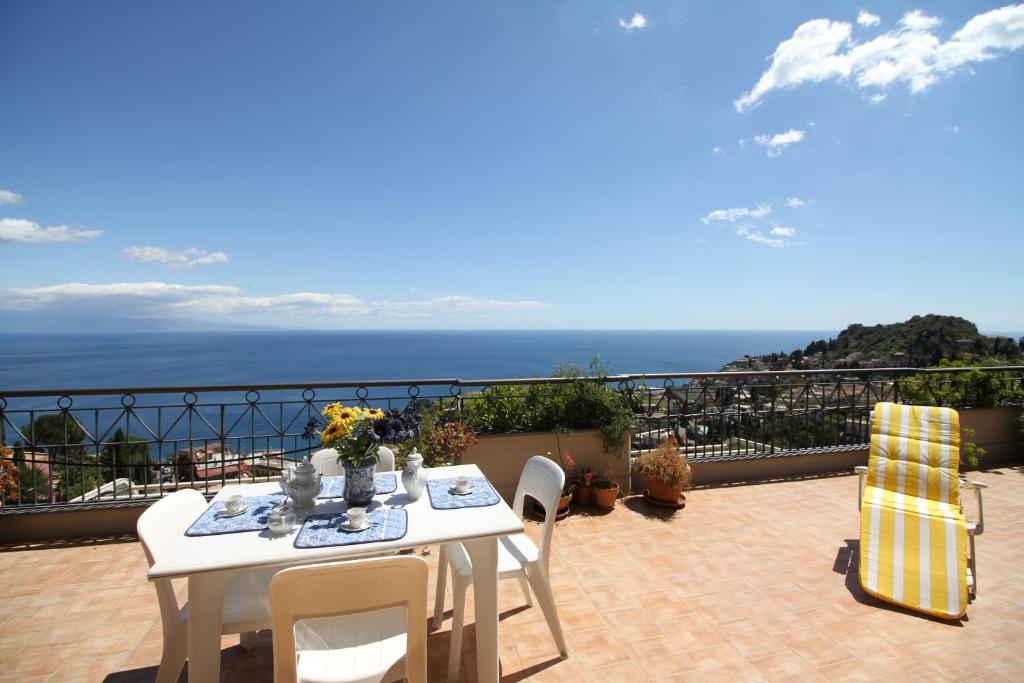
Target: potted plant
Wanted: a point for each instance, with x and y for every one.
(606, 492)
(666, 474)
(569, 467)
(356, 434)
(9, 476)
(583, 494)
(443, 443)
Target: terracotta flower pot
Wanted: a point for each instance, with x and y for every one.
(563, 502)
(659, 491)
(605, 498)
(583, 495)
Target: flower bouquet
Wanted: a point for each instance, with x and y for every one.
(356, 433)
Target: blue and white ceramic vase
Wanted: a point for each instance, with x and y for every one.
(414, 478)
(359, 486)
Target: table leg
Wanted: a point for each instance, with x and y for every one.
(483, 553)
(205, 612)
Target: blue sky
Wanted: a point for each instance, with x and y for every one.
(511, 165)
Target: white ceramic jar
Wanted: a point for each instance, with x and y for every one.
(414, 476)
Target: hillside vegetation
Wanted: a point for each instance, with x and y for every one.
(922, 341)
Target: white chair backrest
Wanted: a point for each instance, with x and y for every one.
(385, 460)
(325, 461)
(158, 528)
(324, 590)
(542, 479)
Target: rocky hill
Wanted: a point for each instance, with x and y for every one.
(922, 341)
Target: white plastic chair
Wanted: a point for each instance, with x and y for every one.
(348, 622)
(246, 603)
(325, 461)
(518, 558)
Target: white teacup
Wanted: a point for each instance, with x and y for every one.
(356, 517)
(462, 483)
(233, 504)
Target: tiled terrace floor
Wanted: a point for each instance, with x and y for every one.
(747, 583)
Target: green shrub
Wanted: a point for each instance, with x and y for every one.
(581, 403)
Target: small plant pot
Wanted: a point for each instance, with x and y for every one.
(660, 494)
(583, 495)
(605, 498)
(537, 510)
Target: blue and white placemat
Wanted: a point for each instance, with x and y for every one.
(321, 531)
(440, 499)
(253, 519)
(334, 487)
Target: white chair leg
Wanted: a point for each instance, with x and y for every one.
(459, 587)
(442, 580)
(172, 660)
(542, 589)
(524, 583)
(248, 640)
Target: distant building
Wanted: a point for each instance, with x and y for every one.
(202, 463)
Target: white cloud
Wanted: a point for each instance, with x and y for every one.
(866, 18)
(778, 142)
(953, 129)
(754, 235)
(638, 21)
(877, 98)
(161, 299)
(732, 215)
(8, 197)
(717, 150)
(782, 231)
(795, 202)
(910, 53)
(187, 258)
(917, 20)
(21, 230)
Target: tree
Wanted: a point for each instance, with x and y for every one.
(62, 439)
(127, 457)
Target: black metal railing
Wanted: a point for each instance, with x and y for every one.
(117, 445)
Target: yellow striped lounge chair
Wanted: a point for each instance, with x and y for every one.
(913, 535)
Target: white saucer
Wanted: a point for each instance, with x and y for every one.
(224, 514)
(463, 492)
(344, 526)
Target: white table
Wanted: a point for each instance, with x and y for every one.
(210, 562)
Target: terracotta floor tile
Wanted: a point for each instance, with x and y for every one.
(743, 574)
(614, 673)
(786, 667)
(597, 648)
(726, 664)
(659, 657)
(631, 624)
(814, 646)
(579, 615)
(691, 633)
(752, 640)
(855, 671)
(664, 604)
(533, 642)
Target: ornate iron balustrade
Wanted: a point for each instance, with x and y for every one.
(117, 445)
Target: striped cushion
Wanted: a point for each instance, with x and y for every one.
(913, 537)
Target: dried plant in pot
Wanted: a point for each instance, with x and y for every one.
(666, 474)
(606, 491)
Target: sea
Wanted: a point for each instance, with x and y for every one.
(64, 362)
(62, 365)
